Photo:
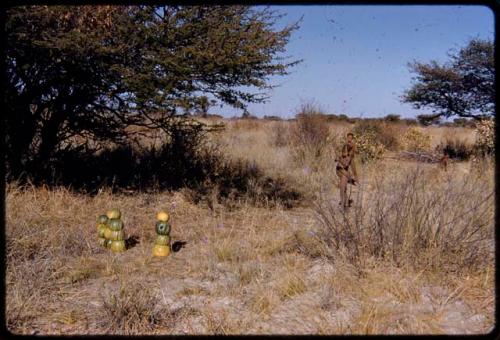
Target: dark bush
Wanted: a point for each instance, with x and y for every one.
(393, 118)
(184, 160)
(456, 148)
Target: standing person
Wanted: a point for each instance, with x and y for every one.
(346, 169)
(444, 161)
(353, 151)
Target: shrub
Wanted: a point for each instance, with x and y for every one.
(485, 137)
(410, 121)
(455, 148)
(274, 118)
(368, 147)
(393, 118)
(309, 134)
(373, 138)
(384, 133)
(184, 160)
(416, 140)
(409, 219)
(281, 134)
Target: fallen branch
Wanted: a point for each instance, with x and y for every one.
(419, 156)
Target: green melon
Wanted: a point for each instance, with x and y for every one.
(115, 224)
(102, 219)
(163, 240)
(117, 235)
(162, 228)
(108, 243)
(101, 225)
(102, 230)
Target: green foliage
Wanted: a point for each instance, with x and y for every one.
(88, 73)
(464, 86)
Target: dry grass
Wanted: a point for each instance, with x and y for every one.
(257, 269)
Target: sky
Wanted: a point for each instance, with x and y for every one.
(355, 58)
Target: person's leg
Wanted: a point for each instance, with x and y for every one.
(343, 190)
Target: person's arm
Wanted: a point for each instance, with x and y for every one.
(355, 148)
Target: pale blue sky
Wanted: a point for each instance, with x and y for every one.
(355, 57)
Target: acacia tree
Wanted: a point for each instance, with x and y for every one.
(76, 74)
(464, 86)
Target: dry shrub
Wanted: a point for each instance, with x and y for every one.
(245, 124)
(410, 219)
(368, 139)
(384, 133)
(133, 309)
(309, 135)
(304, 242)
(416, 140)
(281, 136)
(368, 147)
(485, 137)
(233, 182)
(456, 148)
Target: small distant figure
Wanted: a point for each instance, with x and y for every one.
(444, 161)
(346, 170)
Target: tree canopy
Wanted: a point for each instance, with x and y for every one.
(464, 86)
(76, 74)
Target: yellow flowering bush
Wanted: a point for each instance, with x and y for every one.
(485, 136)
(415, 140)
(369, 148)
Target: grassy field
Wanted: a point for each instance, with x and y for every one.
(414, 255)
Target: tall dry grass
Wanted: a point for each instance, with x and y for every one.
(415, 217)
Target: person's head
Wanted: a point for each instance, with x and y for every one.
(350, 136)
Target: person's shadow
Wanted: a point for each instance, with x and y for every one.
(178, 245)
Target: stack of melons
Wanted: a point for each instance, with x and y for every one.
(102, 226)
(162, 244)
(115, 235)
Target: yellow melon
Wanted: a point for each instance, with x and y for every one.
(118, 246)
(107, 233)
(162, 216)
(161, 251)
(113, 213)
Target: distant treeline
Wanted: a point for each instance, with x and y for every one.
(458, 122)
